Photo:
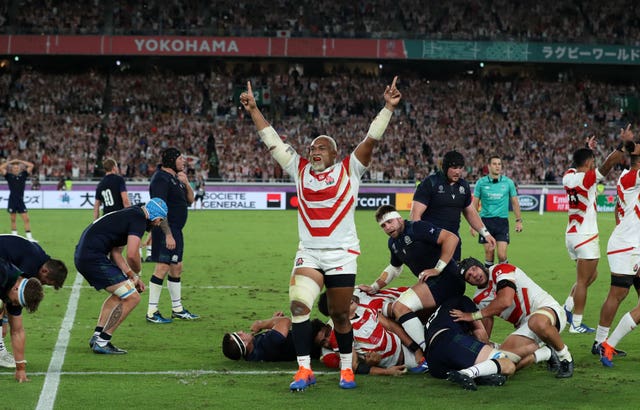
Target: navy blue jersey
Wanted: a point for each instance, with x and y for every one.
(417, 247)
(174, 193)
(272, 346)
(444, 201)
(111, 231)
(24, 254)
(8, 276)
(109, 192)
(16, 184)
(451, 345)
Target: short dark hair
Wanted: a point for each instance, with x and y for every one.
(57, 272)
(33, 294)
(382, 210)
(230, 347)
(581, 156)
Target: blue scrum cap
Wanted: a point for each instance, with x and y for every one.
(157, 208)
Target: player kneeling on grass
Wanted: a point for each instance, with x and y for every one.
(16, 293)
(460, 351)
(506, 291)
(99, 259)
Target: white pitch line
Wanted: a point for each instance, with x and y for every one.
(52, 377)
(175, 373)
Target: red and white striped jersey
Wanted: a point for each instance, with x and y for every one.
(381, 299)
(370, 336)
(327, 202)
(581, 189)
(627, 230)
(529, 296)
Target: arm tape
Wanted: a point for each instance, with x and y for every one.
(484, 231)
(379, 124)
(393, 271)
(281, 152)
(440, 265)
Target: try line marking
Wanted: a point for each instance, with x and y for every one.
(175, 373)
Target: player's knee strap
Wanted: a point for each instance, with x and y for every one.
(281, 152)
(303, 290)
(622, 281)
(126, 290)
(546, 313)
(512, 356)
(410, 299)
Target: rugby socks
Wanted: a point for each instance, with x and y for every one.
(2, 346)
(97, 330)
(602, 333)
(577, 320)
(103, 339)
(568, 304)
(488, 264)
(155, 288)
(29, 235)
(148, 250)
(304, 361)
(345, 345)
(414, 328)
(482, 369)
(542, 355)
(175, 291)
(302, 335)
(624, 327)
(564, 354)
(14, 232)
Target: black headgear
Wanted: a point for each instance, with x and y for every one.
(467, 263)
(452, 159)
(169, 157)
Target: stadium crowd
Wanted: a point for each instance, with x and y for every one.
(588, 21)
(56, 121)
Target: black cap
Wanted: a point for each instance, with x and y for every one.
(452, 159)
(169, 157)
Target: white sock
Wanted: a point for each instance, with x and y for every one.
(577, 320)
(29, 235)
(481, 369)
(14, 232)
(569, 303)
(175, 290)
(304, 361)
(602, 333)
(543, 354)
(415, 330)
(345, 361)
(624, 327)
(564, 354)
(154, 298)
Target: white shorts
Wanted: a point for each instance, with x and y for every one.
(328, 261)
(582, 246)
(624, 261)
(524, 330)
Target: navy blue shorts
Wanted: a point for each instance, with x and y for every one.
(498, 228)
(447, 285)
(99, 271)
(16, 206)
(159, 251)
(452, 351)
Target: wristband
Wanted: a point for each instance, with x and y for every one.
(476, 315)
(375, 286)
(440, 265)
(23, 361)
(484, 231)
(518, 219)
(379, 124)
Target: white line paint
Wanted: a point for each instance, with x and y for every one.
(52, 377)
(174, 373)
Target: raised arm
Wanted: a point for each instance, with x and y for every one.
(626, 144)
(364, 150)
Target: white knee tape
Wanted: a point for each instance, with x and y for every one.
(379, 124)
(512, 356)
(281, 152)
(410, 299)
(304, 290)
(498, 354)
(546, 313)
(126, 290)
